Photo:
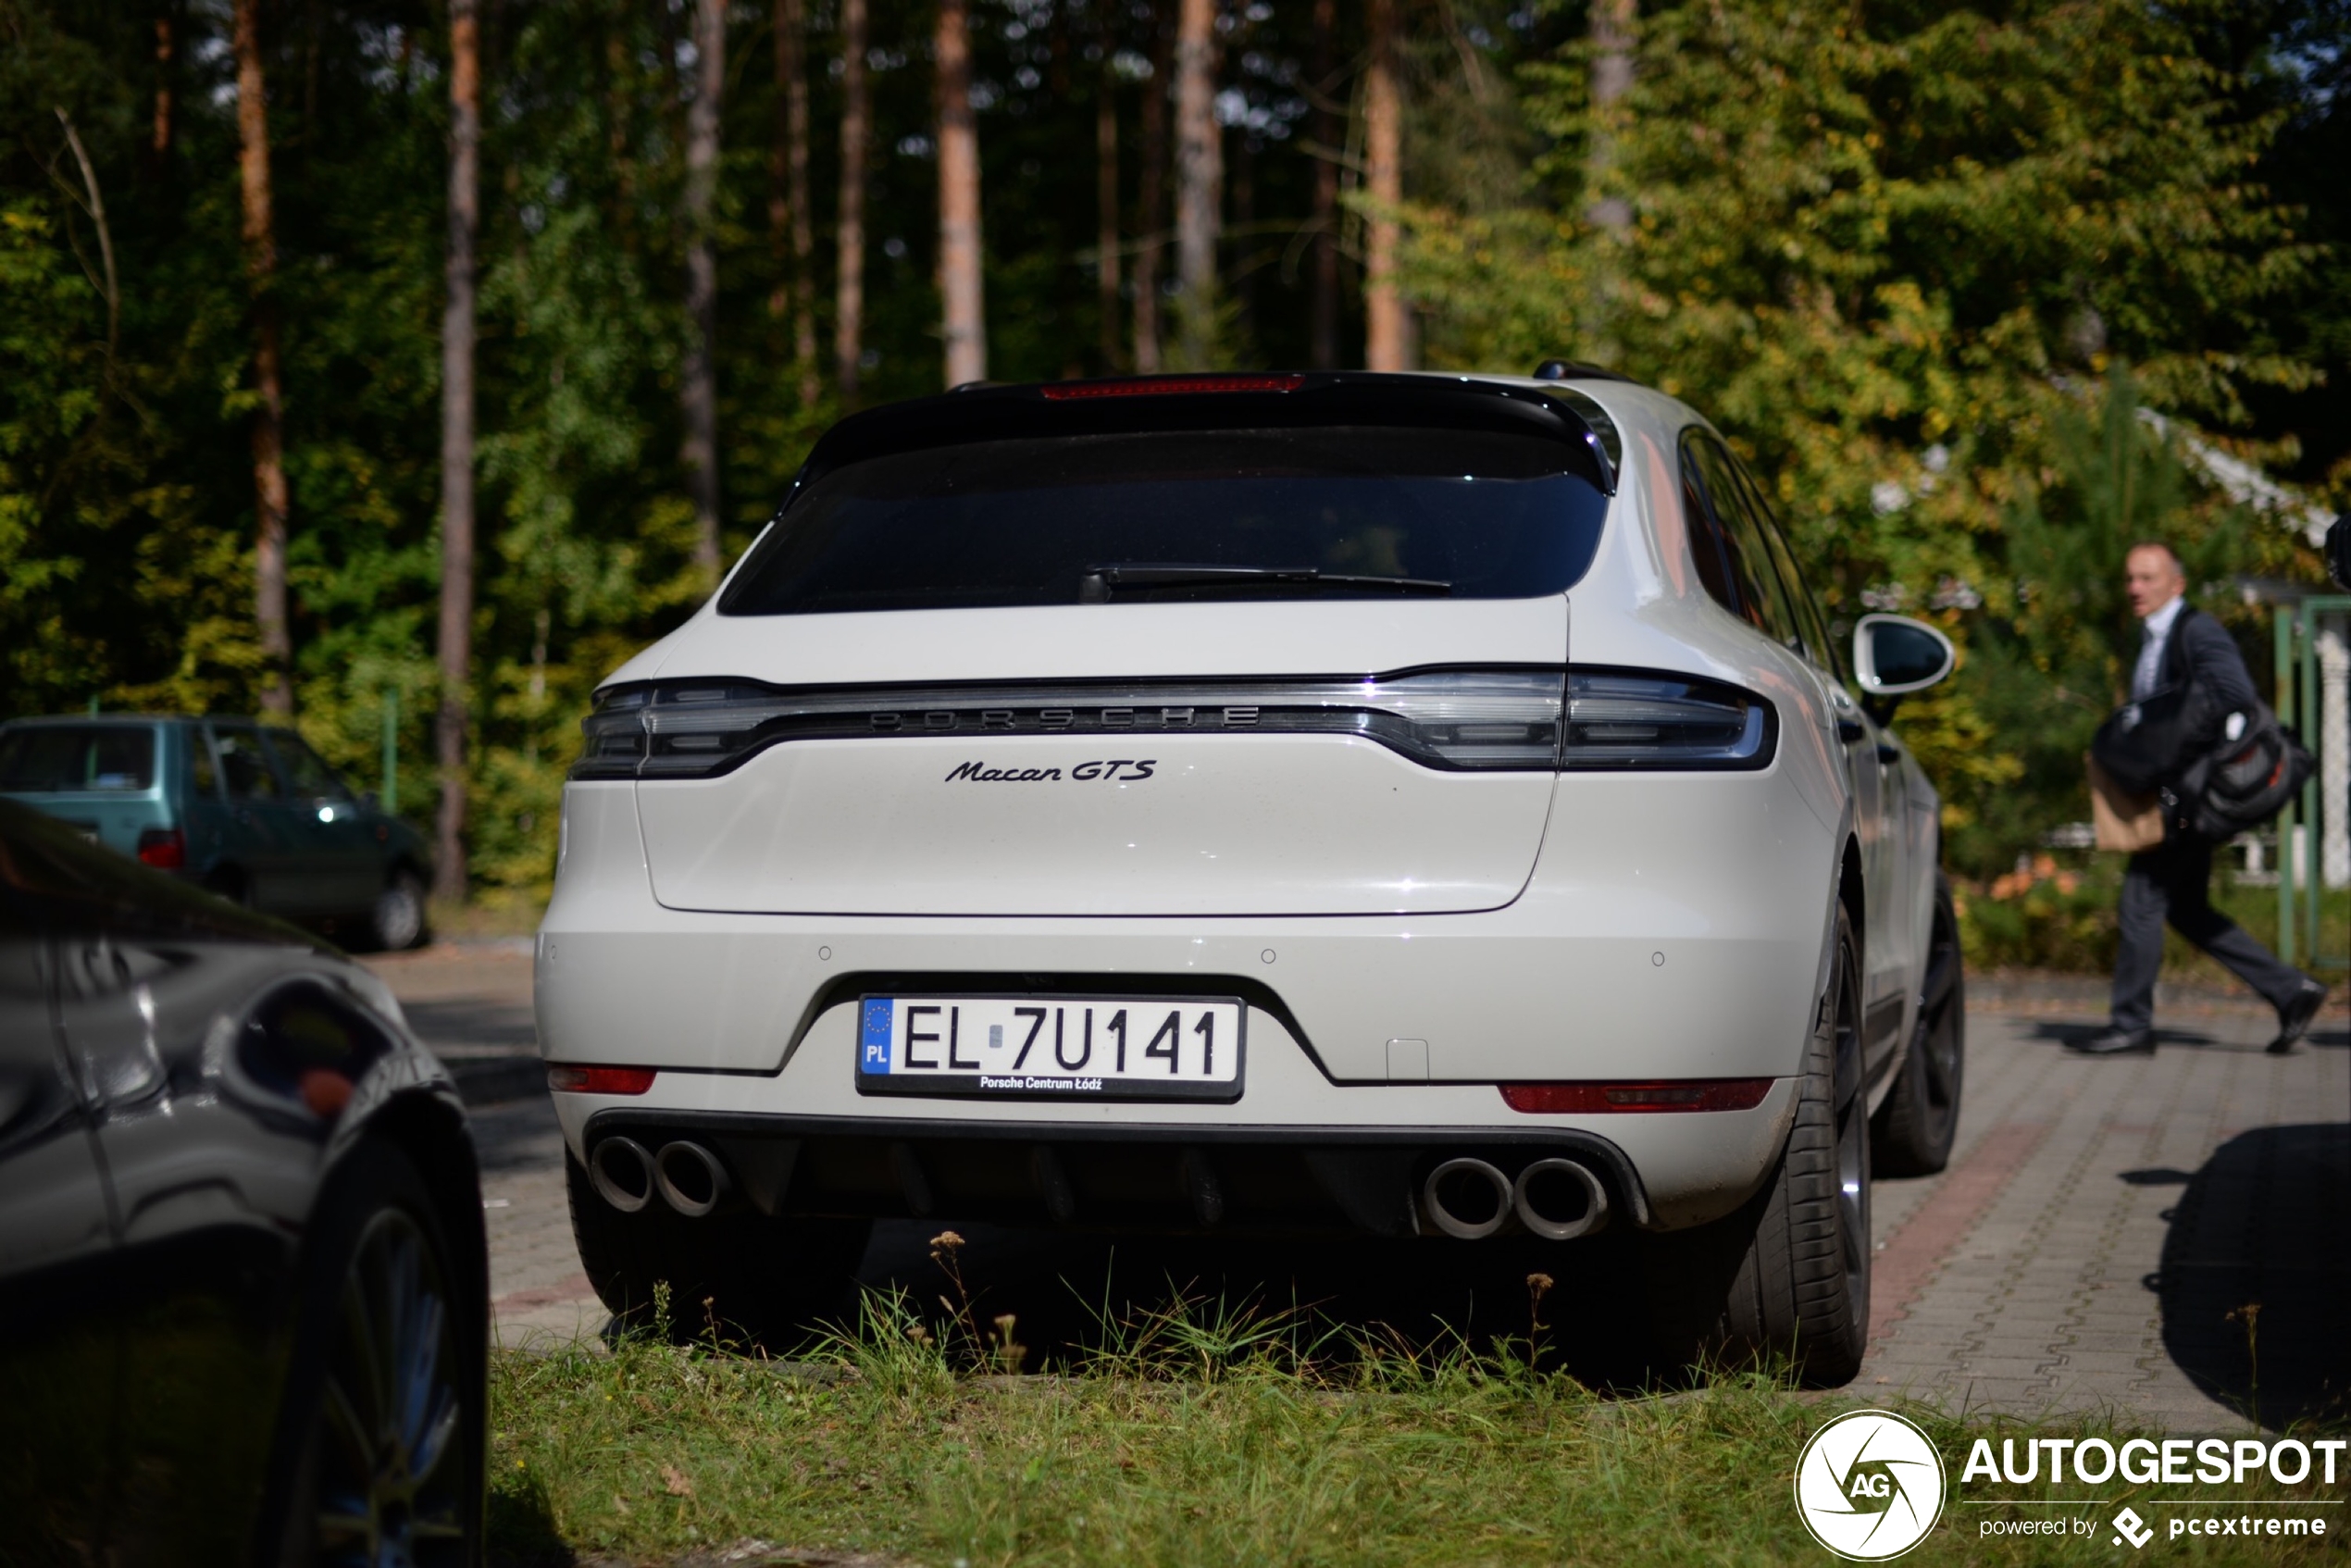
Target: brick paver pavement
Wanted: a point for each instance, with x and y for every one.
(2096, 1243)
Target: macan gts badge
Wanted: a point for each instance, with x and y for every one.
(1444, 815)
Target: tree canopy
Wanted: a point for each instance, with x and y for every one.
(1924, 265)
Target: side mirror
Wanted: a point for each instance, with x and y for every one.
(1894, 654)
(2338, 548)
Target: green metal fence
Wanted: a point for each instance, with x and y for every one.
(2300, 883)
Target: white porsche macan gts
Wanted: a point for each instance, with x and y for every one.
(1408, 805)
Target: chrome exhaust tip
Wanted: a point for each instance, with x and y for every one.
(1459, 1193)
(622, 1172)
(691, 1179)
(1559, 1200)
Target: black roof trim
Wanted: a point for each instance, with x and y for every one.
(980, 413)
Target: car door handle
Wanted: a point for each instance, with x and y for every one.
(1851, 729)
(1886, 753)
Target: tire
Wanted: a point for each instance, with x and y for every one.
(1788, 1274)
(397, 923)
(736, 1274)
(1916, 1126)
(380, 1468)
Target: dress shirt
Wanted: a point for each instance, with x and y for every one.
(2148, 674)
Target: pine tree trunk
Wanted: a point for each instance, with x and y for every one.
(457, 449)
(1199, 181)
(259, 236)
(1612, 23)
(1106, 210)
(788, 215)
(1323, 321)
(1384, 344)
(167, 64)
(856, 128)
(698, 388)
(1150, 201)
(959, 244)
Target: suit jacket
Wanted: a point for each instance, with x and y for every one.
(2202, 657)
(2149, 743)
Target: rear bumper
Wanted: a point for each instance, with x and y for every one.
(1296, 1152)
(1671, 929)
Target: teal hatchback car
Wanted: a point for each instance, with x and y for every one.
(244, 809)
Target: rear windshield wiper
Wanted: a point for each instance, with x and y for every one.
(1098, 583)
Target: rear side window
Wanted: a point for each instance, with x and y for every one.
(1808, 620)
(201, 773)
(64, 759)
(242, 763)
(1314, 513)
(1756, 594)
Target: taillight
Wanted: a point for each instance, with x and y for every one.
(601, 1080)
(1631, 719)
(1673, 1094)
(166, 849)
(1457, 720)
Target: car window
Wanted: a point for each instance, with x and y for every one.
(306, 774)
(202, 774)
(1760, 598)
(79, 758)
(1810, 623)
(1279, 513)
(243, 765)
(1707, 549)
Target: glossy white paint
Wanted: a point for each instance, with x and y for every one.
(1074, 642)
(1665, 924)
(1219, 825)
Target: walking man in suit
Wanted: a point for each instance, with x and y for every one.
(2182, 645)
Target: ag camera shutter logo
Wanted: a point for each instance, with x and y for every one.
(1868, 1486)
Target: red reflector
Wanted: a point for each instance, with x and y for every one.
(166, 849)
(1165, 386)
(601, 1080)
(1680, 1094)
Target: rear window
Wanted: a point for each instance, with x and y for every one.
(58, 759)
(1317, 513)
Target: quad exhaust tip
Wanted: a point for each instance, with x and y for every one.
(622, 1172)
(688, 1177)
(1556, 1198)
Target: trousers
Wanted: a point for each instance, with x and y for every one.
(2171, 882)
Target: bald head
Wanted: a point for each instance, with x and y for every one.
(2152, 577)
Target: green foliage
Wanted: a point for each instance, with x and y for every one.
(1898, 254)
(1893, 248)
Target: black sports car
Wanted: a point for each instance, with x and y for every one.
(242, 1279)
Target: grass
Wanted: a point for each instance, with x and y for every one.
(1190, 1438)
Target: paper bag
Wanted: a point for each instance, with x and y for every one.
(2122, 820)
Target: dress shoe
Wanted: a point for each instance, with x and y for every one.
(2116, 1042)
(2293, 1018)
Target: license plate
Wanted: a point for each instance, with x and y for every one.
(1051, 1048)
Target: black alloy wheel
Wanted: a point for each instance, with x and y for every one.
(1920, 1120)
(381, 1462)
(1785, 1279)
(389, 1487)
